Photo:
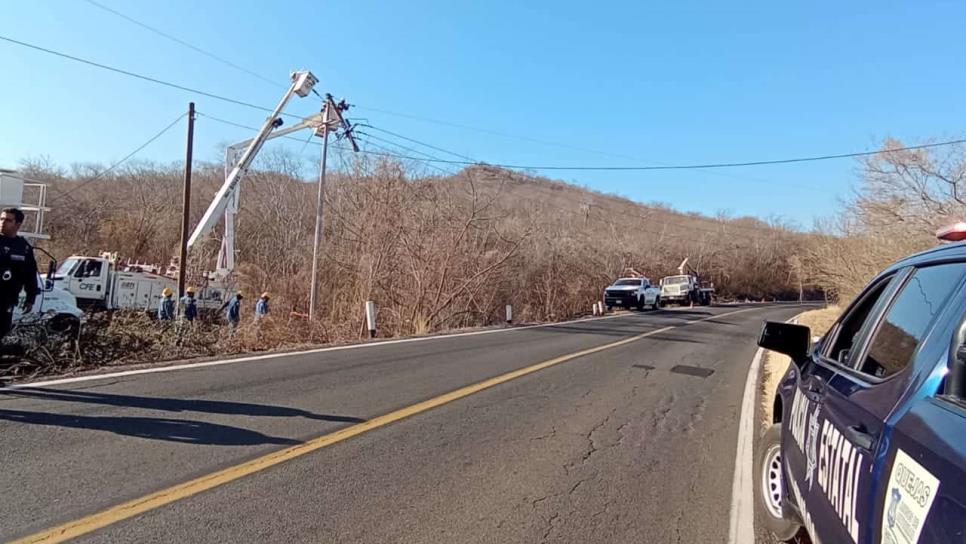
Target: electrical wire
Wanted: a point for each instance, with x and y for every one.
(400, 146)
(387, 112)
(503, 165)
(184, 43)
(369, 142)
(707, 165)
(294, 139)
(120, 162)
(139, 76)
(417, 142)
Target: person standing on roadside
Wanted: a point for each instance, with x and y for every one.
(18, 268)
(261, 307)
(166, 305)
(188, 313)
(189, 305)
(232, 310)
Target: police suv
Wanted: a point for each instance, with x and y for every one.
(869, 439)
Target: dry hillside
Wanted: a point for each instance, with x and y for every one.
(433, 252)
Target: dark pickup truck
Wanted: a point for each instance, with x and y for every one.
(869, 439)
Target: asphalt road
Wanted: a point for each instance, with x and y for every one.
(634, 443)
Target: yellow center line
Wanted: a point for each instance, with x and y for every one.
(129, 509)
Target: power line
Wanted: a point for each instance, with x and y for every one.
(498, 165)
(421, 161)
(139, 76)
(184, 43)
(703, 166)
(294, 139)
(707, 165)
(370, 137)
(120, 162)
(417, 142)
(387, 112)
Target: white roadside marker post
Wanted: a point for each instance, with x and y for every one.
(371, 318)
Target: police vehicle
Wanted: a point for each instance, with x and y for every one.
(869, 439)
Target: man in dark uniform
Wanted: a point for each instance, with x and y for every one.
(18, 268)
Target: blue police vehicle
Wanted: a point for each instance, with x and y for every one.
(869, 439)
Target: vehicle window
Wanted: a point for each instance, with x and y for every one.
(847, 331)
(915, 308)
(89, 268)
(67, 267)
(674, 280)
(627, 282)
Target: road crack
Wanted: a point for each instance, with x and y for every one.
(550, 521)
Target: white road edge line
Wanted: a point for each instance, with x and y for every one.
(742, 519)
(203, 364)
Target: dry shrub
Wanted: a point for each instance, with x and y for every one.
(904, 197)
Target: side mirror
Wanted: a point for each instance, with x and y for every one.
(786, 338)
(956, 378)
(51, 270)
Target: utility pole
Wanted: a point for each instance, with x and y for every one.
(331, 120)
(314, 290)
(186, 200)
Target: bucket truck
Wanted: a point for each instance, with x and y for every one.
(239, 158)
(686, 287)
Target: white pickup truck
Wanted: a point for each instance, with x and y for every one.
(632, 292)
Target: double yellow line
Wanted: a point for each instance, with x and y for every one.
(183, 490)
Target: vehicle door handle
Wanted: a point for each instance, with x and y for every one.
(860, 436)
(815, 388)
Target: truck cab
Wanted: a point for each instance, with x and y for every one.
(677, 288)
(87, 278)
(869, 442)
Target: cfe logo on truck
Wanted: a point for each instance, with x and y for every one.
(911, 491)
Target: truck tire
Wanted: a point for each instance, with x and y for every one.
(64, 324)
(769, 486)
(657, 304)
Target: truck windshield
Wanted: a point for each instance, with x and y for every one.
(67, 267)
(674, 280)
(627, 282)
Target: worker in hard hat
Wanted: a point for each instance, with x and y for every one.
(189, 305)
(166, 305)
(261, 307)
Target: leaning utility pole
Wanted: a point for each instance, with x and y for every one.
(331, 120)
(186, 200)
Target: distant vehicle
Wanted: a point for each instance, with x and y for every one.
(869, 439)
(101, 283)
(685, 289)
(632, 293)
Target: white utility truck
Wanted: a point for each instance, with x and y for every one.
(101, 283)
(686, 288)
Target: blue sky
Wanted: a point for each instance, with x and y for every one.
(615, 83)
